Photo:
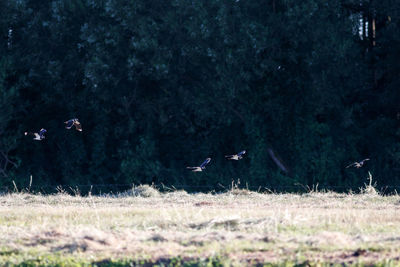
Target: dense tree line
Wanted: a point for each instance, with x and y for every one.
(305, 86)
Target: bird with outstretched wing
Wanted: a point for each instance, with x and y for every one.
(236, 156)
(73, 122)
(38, 136)
(358, 164)
(201, 167)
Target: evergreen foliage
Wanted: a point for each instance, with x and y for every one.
(161, 85)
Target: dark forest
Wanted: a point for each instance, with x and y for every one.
(305, 87)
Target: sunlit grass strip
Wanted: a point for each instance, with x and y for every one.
(238, 226)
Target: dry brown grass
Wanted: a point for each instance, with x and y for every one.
(244, 226)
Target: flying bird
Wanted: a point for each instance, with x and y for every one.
(236, 156)
(201, 167)
(357, 164)
(73, 122)
(38, 136)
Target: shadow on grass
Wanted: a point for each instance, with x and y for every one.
(12, 258)
(178, 262)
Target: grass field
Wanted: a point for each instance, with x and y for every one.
(239, 227)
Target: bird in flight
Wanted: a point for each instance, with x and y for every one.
(38, 136)
(236, 156)
(73, 122)
(357, 164)
(201, 167)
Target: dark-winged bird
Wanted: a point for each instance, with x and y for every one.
(236, 156)
(73, 122)
(38, 136)
(357, 164)
(201, 167)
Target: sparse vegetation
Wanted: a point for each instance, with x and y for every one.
(369, 188)
(177, 228)
(142, 191)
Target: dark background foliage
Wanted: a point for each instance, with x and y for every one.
(309, 85)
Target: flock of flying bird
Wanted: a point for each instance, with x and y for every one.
(203, 165)
(75, 122)
(69, 123)
(357, 164)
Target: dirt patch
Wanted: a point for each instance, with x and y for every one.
(202, 240)
(44, 238)
(87, 243)
(256, 258)
(157, 238)
(203, 203)
(229, 224)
